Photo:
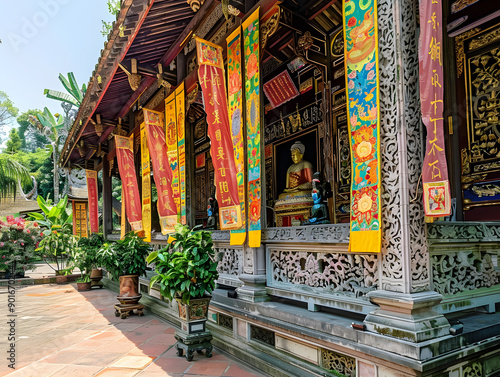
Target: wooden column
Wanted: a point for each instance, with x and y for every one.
(107, 204)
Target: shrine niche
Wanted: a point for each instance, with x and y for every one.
(478, 52)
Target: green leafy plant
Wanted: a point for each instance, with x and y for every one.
(186, 267)
(85, 256)
(83, 279)
(54, 217)
(125, 257)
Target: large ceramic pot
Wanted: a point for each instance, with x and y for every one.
(61, 278)
(95, 278)
(129, 289)
(194, 315)
(83, 286)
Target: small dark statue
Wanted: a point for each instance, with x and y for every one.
(213, 213)
(319, 210)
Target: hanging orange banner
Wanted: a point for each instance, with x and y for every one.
(211, 78)
(181, 148)
(146, 185)
(172, 152)
(93, 198)
(126, 167)
(161, 170)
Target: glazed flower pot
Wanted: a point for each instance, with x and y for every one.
(95, 277)
(129, 290)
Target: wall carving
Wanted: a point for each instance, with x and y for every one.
(220, 235)
(230, 261)
(463, 232)
(329, 233)
(347, 274)
(343, 364)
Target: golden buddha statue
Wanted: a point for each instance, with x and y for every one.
(294, 204)
(299, 174)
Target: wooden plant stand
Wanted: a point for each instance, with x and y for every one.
(193, 342)
(124, 310)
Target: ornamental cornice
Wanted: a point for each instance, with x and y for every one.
(461, 232)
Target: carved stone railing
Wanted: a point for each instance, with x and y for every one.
(327, 233)
(464, 261)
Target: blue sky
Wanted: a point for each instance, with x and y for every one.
(42, 38)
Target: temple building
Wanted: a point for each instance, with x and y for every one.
(346, 155)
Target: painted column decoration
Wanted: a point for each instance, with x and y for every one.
(130, 193)
(235, 100)
(437, 197)
(181, 147)
(173, 156)
(161, 170)
(93, 198)
(252, 97)
(146, 185)
(362, 83)
(211, 78)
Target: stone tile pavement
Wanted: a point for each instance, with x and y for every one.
(62, 332)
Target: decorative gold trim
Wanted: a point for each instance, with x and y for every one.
(485, 39)
(269, 27)
(459, 49)
(465, 161)
(458, 5)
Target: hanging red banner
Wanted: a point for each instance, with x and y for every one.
(126, 167)
(93, 198)
(167, 209)
(437, 197)
(211, 77)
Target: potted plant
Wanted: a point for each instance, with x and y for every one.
(83, 283)
(187, 271)
(18, 240)
(87, 257)
(58, 242)
(125, 261)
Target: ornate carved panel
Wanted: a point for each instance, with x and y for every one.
(321, 272)
(343, 364)
(230, 261)
(328, 233)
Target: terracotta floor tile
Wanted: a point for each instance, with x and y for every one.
(179, 365)
(132, 362)
(117, 372)
(108, 335)
(65, 357)
(77, 371)
(153, 349)
(98, 359)
(208, 367)
(236, 371)
(36, 370)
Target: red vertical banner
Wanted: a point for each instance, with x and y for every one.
(167, 209)
(93, 199)
(437, 198)
(130, 193)
(211, 77)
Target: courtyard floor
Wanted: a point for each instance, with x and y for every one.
(62, 332)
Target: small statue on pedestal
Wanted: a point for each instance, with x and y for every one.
(213, 213)
(319, 210)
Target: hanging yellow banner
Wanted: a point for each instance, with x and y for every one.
(146, 185)
(181, 147)
(172, 152)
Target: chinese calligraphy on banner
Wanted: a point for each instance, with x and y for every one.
(130, 193)
(173, 156)
(167, 210)
(362, 82)
(437, 197)
(252, 98)
(211, 78)
(93, 198)
(235, 100)
(281, 89)
(181, 147)
(146, 185)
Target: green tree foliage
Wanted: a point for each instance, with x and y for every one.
(31, 138)
(14, 143)
(7, 109)
(113, 8)
(11, 172)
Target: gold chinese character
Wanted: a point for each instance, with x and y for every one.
(433, 21)
(436, 172)
(222, 172)
(217, 135)
(435, 102)
(216, 117)
(434, 147)
(163, 181)
(223, 187)
(204, 80)
(220, 153)
(435, 50)
(226, 201)
(435, 79)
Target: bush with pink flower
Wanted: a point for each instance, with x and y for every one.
(18, 240)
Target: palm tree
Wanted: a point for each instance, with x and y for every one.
(11, 172)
